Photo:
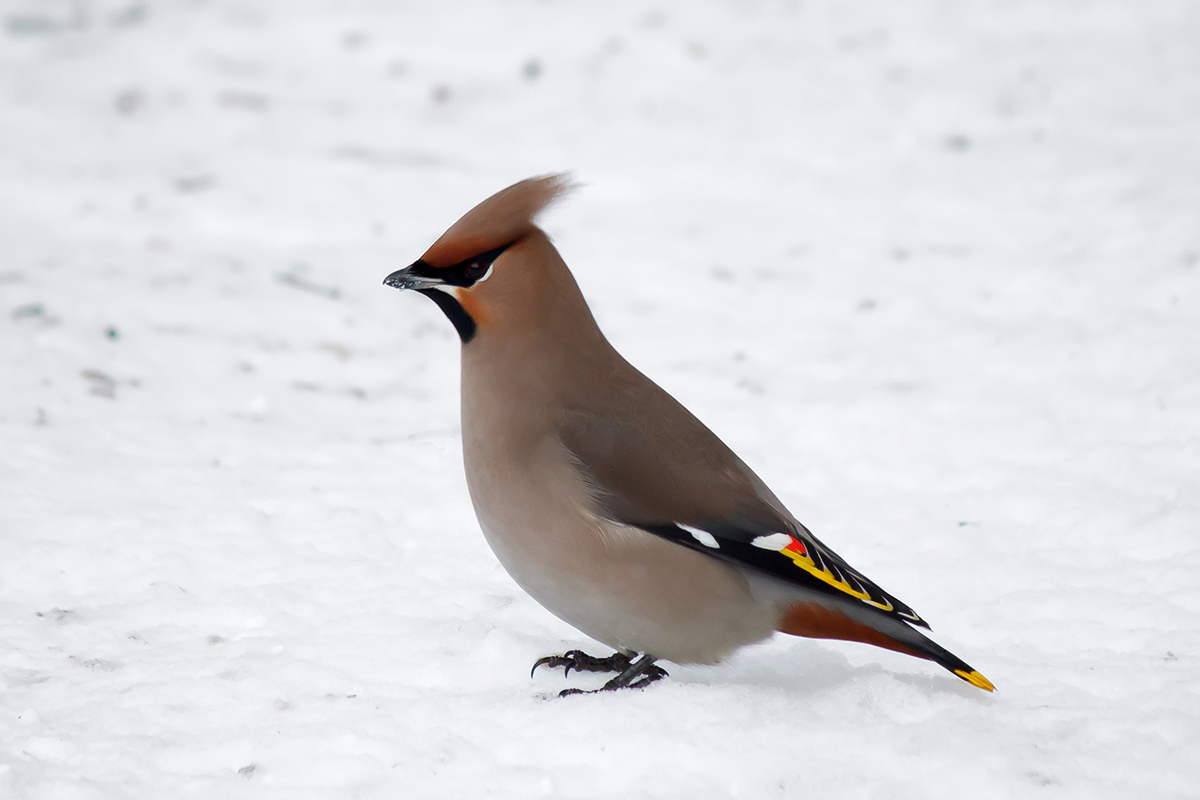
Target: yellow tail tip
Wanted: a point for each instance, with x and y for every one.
(975, 679)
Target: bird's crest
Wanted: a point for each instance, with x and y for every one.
(498, 221)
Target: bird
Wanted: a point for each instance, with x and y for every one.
(603, 497)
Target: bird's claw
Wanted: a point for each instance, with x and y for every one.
(581, 662)
(652, 673)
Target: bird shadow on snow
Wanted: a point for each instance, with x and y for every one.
(812, 670)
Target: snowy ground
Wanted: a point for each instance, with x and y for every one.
(932, 268)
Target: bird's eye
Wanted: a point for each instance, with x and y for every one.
(472, 270)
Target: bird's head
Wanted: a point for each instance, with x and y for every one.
(489, 259)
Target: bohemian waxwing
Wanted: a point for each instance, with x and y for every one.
(602, 496)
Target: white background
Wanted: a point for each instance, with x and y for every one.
(931, 268)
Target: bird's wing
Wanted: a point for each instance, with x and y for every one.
(686, 486)
(793, 554)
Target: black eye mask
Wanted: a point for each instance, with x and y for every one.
(465, 273)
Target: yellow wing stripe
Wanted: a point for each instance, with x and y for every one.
(795, 552)
(975, 679)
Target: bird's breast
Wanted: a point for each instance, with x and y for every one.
(617, 583)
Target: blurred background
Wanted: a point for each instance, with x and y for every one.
(931, 268)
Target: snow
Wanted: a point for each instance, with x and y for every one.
(931, 268)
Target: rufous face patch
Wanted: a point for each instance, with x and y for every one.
(471, 305)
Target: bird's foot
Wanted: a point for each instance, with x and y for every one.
(638, 675)
(581, 662)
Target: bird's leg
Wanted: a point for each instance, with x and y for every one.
(642, 672)
(639, 674)
(581, 662)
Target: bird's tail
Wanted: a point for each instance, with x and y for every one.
(817, 620)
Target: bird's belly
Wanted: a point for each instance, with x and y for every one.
(620, 585)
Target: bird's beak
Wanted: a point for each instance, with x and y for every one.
(417, 275)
